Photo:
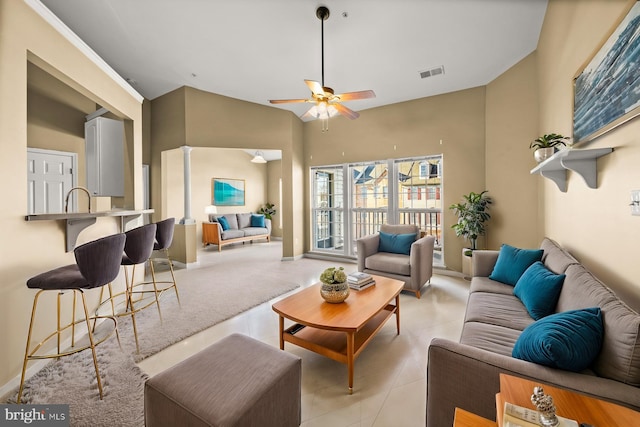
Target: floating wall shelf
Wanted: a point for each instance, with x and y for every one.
(583, 162)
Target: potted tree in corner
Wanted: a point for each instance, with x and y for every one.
(546, 145)
(472, 213)
(268, 210)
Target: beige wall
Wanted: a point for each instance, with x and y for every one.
(512, 122)
(594, 224)
(146, 132)
(52, 125)
(413, 128)
(167, 131)
(274, 195)
(295, 193)
(33, 247)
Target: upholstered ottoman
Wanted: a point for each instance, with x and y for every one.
(237, 381)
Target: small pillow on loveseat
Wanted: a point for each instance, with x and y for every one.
(257, 220)
(539, 289)
(512, 262)
(570, 340)
(396, 243)
(224, 223)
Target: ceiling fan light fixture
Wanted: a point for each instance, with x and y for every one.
(327, 104)
(323, 111)
(258, 158)
(332, 111)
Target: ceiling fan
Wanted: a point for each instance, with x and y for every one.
(327, 103)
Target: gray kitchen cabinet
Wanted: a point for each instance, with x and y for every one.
(104, 150)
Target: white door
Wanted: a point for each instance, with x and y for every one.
(50, 175)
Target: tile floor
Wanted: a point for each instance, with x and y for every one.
(389, 383)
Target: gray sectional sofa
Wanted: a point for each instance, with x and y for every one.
(239, 228)
(465, 374)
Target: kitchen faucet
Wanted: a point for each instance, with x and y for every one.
(66, 200)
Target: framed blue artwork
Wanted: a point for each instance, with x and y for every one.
(607, 90)
(227, 192)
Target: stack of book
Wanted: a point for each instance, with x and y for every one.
(518, 416)
(360, 281)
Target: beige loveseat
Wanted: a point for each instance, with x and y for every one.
(239, 229)
(465, 374)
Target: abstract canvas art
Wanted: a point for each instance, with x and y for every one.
(607, 90)
(227, 192)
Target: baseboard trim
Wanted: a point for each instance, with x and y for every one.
(33, 369)
(443, 271)
(328, 257)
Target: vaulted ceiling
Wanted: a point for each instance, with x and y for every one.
(256, 50)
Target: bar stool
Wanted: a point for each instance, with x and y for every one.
(97, 264)
(164, 238)
(137, 250)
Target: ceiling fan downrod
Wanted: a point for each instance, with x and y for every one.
(323, 14)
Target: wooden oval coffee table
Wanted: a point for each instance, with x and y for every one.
(339, 331)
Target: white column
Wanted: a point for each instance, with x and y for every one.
(187, 186)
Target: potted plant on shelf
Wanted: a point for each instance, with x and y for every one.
(472, 214)
(546, 145)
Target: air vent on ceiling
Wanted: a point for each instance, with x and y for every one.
(432, 72)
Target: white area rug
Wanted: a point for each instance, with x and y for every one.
(226, 285)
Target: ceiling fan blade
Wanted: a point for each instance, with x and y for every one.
(287, 101)
(352, 96)
(315, 87)
(346, 111)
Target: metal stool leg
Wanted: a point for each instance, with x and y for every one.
(173, 277)
(131, 306)
(155, 288)
(93, 346)
(26, 351)
(113, 310)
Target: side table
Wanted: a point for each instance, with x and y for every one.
(467, 419)
(572, 405)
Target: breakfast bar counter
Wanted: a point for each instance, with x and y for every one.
(78, 221)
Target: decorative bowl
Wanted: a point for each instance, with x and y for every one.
(335, 292)
(335, 288)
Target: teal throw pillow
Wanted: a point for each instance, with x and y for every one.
(539, 289)
(223, 222)
(396, 243)
(512, 262)
(570, 340)
(257, 220)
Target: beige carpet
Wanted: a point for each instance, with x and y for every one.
(220, 287)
